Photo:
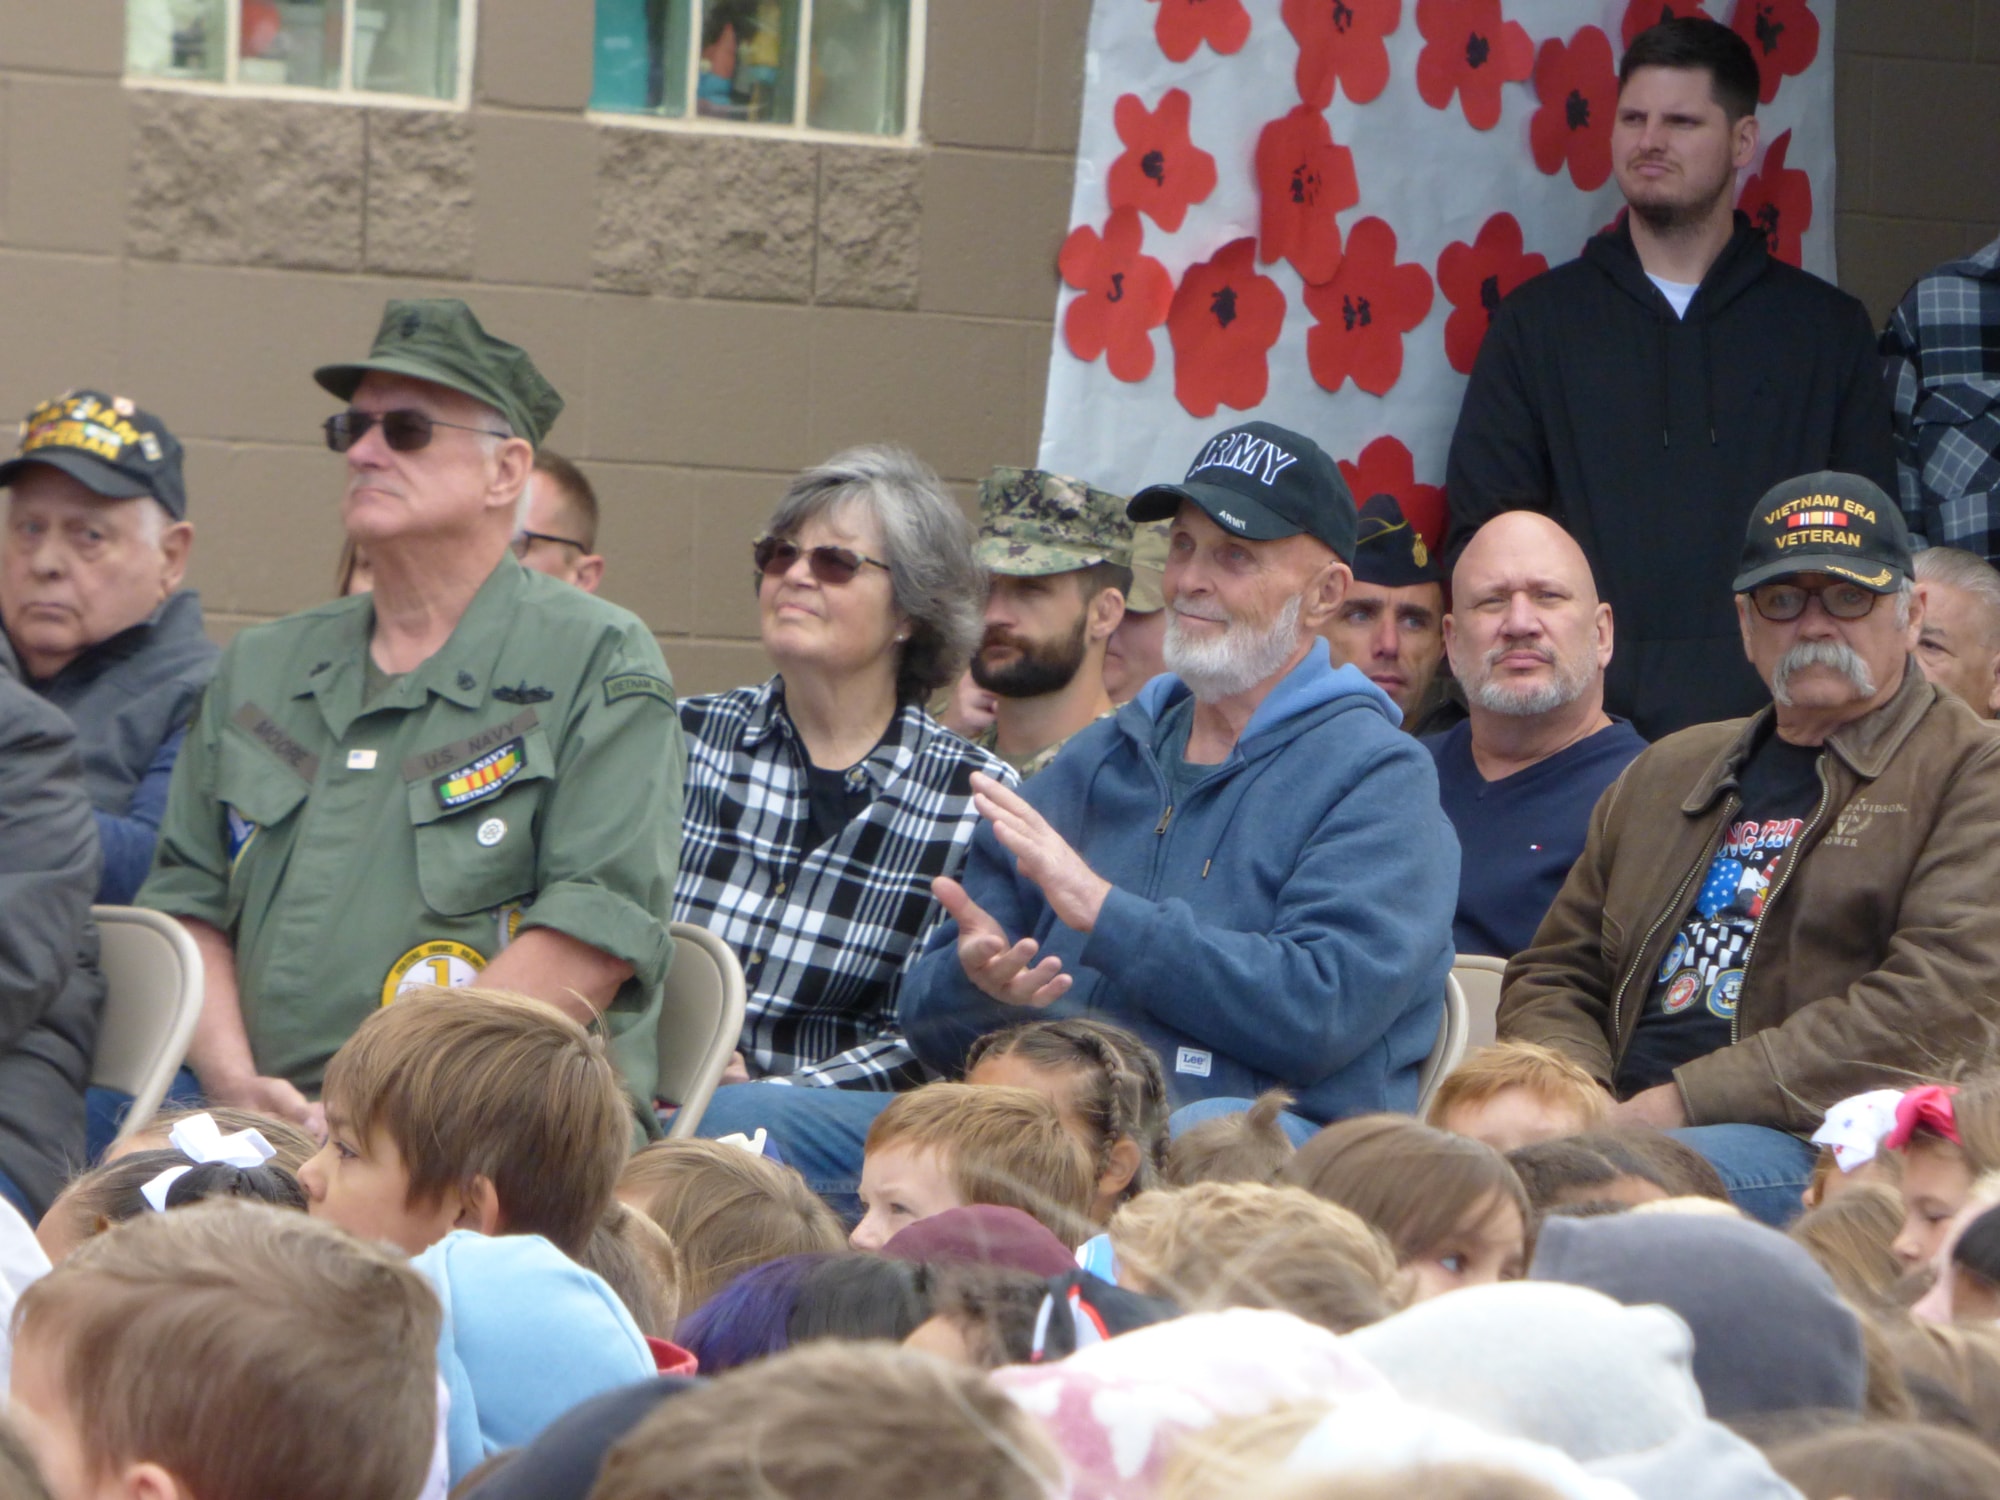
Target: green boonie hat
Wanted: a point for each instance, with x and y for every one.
(1149, 567)
(439, 340)
(1033, 523)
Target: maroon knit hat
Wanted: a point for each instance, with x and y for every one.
(983, 1235)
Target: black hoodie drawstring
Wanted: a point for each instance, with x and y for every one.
(1666, 381)
(1707, 384)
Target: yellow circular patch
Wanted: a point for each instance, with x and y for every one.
(443, 963)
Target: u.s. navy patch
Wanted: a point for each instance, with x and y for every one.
(623, 685)
(482, 777)
(441, 962)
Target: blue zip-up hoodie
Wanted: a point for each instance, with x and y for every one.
(1288, 926)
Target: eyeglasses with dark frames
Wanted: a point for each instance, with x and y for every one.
(1784, 602)
(774, 556)
(524, 542)
(404, 431)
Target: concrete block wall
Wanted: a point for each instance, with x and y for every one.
(717, 310)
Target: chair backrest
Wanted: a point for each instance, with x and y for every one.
(153, 987)
(701, 1022)
(1449, 1050)
(1480, 977)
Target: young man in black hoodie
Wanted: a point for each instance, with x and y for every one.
(1646, 393)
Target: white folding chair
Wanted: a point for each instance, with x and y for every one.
(153, 984)
(1450, 1048)
(701, 1022)
(1481, 977)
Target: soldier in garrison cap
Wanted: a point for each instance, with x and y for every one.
(1059, 553)
(473, 770)
(1391, 624)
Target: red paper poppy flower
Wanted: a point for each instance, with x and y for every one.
(1385, 468)
(1183, 25)
(1778, 200)
(1578, 87)
(1304, 181)
(1161, 172)
(1341, 41)
(1641, 14)
(1475, 277)
(1225, 318)
(1125, 295)
(1364, 312)
(1470, 49)
(1784, 36)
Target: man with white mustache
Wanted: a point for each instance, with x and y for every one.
(1208, 866)
(1775, 913)
(1529, 640)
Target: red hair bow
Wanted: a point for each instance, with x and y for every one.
(1928, 1107)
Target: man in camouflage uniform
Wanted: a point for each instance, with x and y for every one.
(1060, 556)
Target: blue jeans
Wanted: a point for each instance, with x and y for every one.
(104, 1110)
(1765, 1170)
(820, 1132)
(1297, 1127)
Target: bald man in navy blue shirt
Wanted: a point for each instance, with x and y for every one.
(1529, 641)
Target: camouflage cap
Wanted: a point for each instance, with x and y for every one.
(1033, 523)
(1149, 567)
(439, 340)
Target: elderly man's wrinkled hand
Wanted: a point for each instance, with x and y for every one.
(1659, 1107)
(1003, 971)
(1075, 892)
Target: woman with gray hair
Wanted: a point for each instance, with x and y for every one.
(822, 803)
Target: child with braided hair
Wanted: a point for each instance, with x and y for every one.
(1106, 1085)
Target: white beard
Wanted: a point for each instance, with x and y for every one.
(1235, 661)
(1564, 685)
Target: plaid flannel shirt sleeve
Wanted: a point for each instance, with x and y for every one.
(824, 933)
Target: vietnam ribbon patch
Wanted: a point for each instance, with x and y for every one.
(483, 777)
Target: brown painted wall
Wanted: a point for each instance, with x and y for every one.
(718, 311)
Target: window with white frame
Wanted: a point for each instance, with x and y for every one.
(411, 49)
(845, 67)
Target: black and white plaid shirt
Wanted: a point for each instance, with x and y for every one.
(1943, 350)
(823, 935)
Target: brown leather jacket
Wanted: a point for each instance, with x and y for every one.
(1878, 952)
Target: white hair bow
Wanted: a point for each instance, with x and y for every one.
(202, 1142)
(1854, 1127)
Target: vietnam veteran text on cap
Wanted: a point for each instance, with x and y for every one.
(1261, 482)
(106, 444)
(1839, 524)
(439, 340)
(1033, 523)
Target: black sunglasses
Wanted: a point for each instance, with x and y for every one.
(835, 565)
(1779, 602)
(403, 431)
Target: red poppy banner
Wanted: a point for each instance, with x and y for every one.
(1307, 211)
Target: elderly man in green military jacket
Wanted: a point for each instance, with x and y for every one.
(1059, 553)
(473, 773)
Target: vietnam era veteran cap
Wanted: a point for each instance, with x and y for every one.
(1032, 523)
(1264, 483)
(1389, 552)
(1149, 569)
(107, 445)
(439, 340)
(1838, 524)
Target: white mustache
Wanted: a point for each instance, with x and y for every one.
(1220, 617)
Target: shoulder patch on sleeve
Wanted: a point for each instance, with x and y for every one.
(622, 685)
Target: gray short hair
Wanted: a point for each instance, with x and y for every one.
(934, 573)
(1956, 568)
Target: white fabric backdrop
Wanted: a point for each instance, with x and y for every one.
(1428, 172)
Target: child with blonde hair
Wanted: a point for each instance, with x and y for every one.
(1251, 1244)
(948, 1145)
(1516, 1094)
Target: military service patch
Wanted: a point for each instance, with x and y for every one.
(483, 777)
(443, 963)
(625, 685)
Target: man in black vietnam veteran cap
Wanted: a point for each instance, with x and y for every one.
(1391, 624)
(1207, 865)
(1778, 912)
(472, 773)
(96, 621)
